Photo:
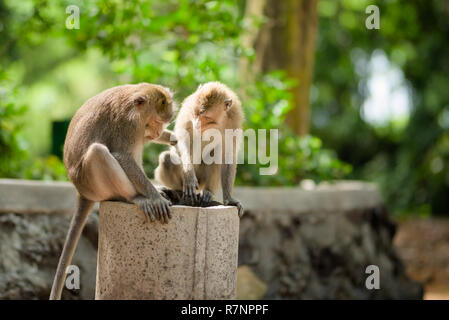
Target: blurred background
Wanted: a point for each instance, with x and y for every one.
(349, 102)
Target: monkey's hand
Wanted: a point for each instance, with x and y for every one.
(235, 203)
(190, 187)
(205, 198)
(154, 207)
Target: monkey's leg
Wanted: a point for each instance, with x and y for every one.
(104, 177)
(209, 180)
(171, 175)
(168, 173)
(227, 182)
(189, 179)
(76, 226)
(107, 178)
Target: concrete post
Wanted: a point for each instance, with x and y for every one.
(194, 256)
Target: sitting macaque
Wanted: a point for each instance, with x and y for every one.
(212, 106)
(103, 156)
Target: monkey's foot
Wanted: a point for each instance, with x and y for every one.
(235, 203)
(153, 209)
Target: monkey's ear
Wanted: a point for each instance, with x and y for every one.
(171, 93)
(228, 104)
(139, 100)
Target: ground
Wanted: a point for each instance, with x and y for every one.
(423, 245)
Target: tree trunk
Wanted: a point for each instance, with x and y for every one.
(254, 10)
(287, 41)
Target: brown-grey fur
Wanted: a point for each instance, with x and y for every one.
(224, 107)
(103, 156)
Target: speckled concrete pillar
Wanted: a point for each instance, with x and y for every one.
(194, 256)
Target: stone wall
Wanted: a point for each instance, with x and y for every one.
(295, 243)
(30, 245)
(324, 255)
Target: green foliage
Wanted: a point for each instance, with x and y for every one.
(181, 44)
(408, 158)
(11, 147)
(177, 43)
(15, 160)
(43, 168)
(266, 107)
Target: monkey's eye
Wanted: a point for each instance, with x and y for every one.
(228, 103)
(202, 111)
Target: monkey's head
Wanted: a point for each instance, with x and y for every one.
(213, 102)
(155, 106)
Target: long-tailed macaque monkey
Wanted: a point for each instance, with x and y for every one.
(103, 156)
(212, 106)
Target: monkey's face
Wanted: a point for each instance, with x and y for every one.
(156, 109)
(211, 115)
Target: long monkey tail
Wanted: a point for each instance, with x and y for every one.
(76, 227)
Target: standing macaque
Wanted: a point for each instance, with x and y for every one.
(212, 106)
(103, 156)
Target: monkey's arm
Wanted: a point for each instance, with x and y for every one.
(149, 199)
(135, 174)
(167, 137)
(227, 182)
(190, 182)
